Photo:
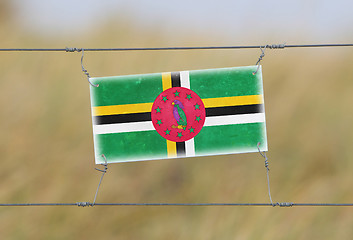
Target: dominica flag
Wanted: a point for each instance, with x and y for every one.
(178, 114)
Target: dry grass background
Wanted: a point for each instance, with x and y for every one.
(47, 148)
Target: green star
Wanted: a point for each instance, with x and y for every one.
(167, 132)
(159, 122)
(176, 94)
(197, 106)
(191, 130)
(180, 135)
(158, 110)
(188, 96)
(164, 98)
(198, 118)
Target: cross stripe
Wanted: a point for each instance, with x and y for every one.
(123, 127)
(190, 148)
(185, 79)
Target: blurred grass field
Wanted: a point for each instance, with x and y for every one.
(47, 145)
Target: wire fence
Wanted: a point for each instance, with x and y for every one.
(269, 46)
(89, 204)
(262, 47)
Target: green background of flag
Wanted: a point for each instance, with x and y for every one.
(147, 145)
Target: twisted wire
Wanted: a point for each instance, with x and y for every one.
(103, 172)
(263, 154)
(88, 204)
(269, 46)
(82, 67)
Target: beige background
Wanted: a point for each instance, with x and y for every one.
(46, 140)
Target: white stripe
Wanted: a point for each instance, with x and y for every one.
(235, 119)
(123, 127)
(184, 79)
(190, 148)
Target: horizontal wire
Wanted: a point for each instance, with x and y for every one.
(36, 204)
(85, 204)
(272, 46)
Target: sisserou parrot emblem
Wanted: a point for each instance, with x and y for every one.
(179, 115)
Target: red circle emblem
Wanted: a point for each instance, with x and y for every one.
(178, 114)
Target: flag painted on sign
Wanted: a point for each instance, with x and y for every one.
(178, 114)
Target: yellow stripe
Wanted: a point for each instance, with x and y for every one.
(131, 108)
(122, 109)
(171, 149)
(147, 107)
(233, 101)
(167, 83)
(166, 80)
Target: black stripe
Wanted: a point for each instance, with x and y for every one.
(146, 116)
(180, 146)
(122, 118)
(176, 79)
(234, 110)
